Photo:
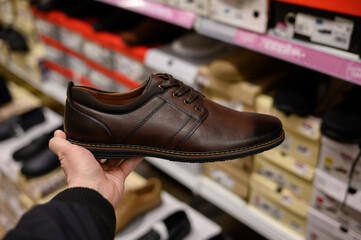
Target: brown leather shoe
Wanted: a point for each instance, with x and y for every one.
(167, 119)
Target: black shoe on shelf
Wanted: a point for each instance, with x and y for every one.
(118, 20)
(50, 5)
(42, 163)
(343, 121)
(19, 123)
(300, 92)
(87, 8)
(5, 96)
(17, 41)
(177, 224)
(37, 145)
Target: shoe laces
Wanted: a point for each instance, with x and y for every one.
(192, 95)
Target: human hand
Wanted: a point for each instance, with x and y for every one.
(83, 170)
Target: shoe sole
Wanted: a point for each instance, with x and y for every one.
(123, 151)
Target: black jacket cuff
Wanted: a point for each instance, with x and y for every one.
(91, 199)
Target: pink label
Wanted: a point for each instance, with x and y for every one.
(329, 64)
(157, 10)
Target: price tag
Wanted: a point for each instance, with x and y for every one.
(300, 168)
(304, 24)
(333, 33)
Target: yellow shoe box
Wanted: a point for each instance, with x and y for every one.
(244, 91)
(286, 172)
(279, 203)
(225, 100)
(303, 137)
(233, 175)
(22, 101)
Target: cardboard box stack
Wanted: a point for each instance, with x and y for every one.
(234, 81)
(282, 181)
(23, 50)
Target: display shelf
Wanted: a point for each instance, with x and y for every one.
(49, 88)
(327, 60)
(156, 10)
(323, 59)
(227, 201)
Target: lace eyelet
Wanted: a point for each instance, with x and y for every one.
(197, 109)
(186, 102)
(173, 94)
(160, 86)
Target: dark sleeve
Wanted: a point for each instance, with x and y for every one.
(76, 213)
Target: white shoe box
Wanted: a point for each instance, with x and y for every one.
(347, 217)
(321, 227)
(337, 189)
(336, 159)
(247, 14)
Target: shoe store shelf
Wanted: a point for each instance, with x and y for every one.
(226, 200)
(49, 88)
(327, 60)
(156, 10)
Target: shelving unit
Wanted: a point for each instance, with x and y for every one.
(229, 202)
(50, 88)
(339, 64)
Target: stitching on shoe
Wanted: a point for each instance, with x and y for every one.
(180, 145)
(198, 119)
(175, 153)
(183, 126)
(141, 123)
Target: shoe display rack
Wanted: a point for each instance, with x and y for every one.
(339, 64)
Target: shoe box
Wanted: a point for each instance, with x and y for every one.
(303, 137)
(350, 7)
(336, 159)
(80, 44)
(321, 227)
(346, 217)
(330, 28)
(23, 24)
(199, 7)
(140, 225)
(183, 57)
(225, 100)
(233, 175)
(7, 10)
(247, 14)
(22, 101)
(243, 91)
(287, 172)
(278, 203)
(337, 189)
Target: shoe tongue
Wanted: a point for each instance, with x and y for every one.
(155, 79)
